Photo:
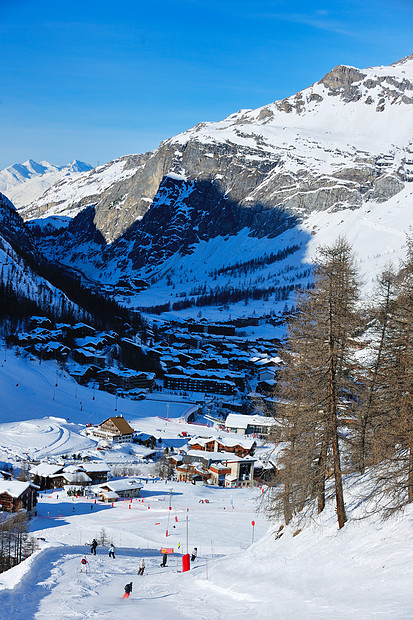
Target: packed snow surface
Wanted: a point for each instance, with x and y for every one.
(313, 571)
(363, 571)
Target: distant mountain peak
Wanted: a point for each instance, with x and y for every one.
(402, 61)
(79, 166)
(23, 183)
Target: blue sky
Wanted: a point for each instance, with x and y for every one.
(96, 80)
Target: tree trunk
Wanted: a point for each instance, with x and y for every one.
(338, 482)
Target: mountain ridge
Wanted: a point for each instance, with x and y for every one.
(25, 182)
(344, 145)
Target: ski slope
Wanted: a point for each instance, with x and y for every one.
(363, 571)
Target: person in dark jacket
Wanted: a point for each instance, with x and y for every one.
(93, 546)
(164, 559)
(128, 588)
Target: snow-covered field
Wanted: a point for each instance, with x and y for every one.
(363, 571)
(43, 409)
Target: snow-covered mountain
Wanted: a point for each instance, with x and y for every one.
(243, 203)
(19, 265)
(71, 194)
(23, 183)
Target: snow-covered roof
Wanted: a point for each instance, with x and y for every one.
(109, 494)
(78, 476)
(218, 456)
(230, 443)
(126, 484)
(95, 467)
(45, 469)
(15, 488)
(218, 466)
(202, 441)
(72, 469)
(238, 420)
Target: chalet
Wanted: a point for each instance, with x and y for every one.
(16, 495)
(221, 330)
(98, 472)
(202, 443)
(54, 350)
(125, 488)
(83, 374)
(185, 472)
(107, 496)
(115, 429)
(146, 440)
(81, 330)
(42, 473)
(39, 321)
(249, 424)
(68, 478)
(196, 328)
(239, 447)
(236, 406)
(169, 361)
(84, 356)
(236, 471)
(175, 460)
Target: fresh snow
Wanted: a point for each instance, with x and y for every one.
(362, 571)
(23, 183)
(70, 195)
(313, 571)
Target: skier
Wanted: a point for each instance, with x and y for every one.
(112, 551)
(128, 590)
(141, 567)
(93, 546)
(164, 559)
(83, 564)
(194, 554)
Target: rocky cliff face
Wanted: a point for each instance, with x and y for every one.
(19, 265)
(341, 144)
(15, 233)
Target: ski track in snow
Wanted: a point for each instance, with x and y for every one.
(56, 583)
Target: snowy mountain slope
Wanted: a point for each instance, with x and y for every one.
(343, 145)
(37, 386)
(20, 261)
(70, 195)
(23, 183)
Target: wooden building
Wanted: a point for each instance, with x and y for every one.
(115, 429)
(16, 495)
